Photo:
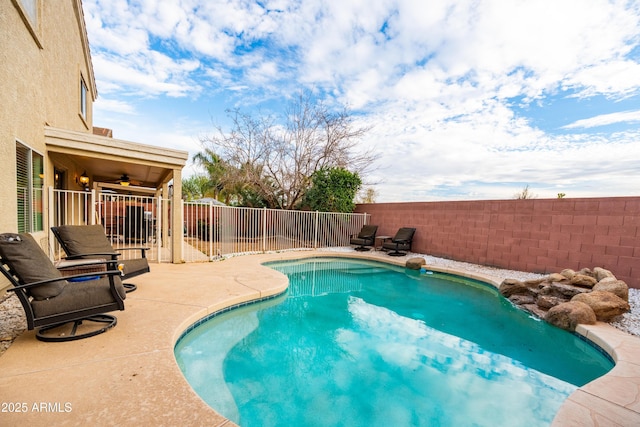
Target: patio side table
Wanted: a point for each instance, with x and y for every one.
(382, 239)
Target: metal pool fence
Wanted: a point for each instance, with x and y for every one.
(223, 230)
(209, 230)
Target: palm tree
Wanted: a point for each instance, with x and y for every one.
(196, 187)
(217, 172)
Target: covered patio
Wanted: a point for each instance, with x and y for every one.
(84, 161)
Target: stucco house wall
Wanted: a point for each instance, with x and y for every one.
(41, 64)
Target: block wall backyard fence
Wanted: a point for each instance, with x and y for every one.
(536, 235)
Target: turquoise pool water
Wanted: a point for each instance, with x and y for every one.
(357, 343)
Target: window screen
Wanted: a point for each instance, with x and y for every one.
(83, 99)
(29, 179)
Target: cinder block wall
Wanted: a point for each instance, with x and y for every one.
(537, 235)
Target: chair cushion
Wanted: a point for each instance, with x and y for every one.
(90, 239)
(84, 239)
(401, 246)
(134, 267)
(30, 264)
(368, 231)
(79, 296)
(405, 234)
(362, 242)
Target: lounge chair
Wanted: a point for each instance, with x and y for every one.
(400, 242)
(366, 237)
(60, 308)
(90, 242)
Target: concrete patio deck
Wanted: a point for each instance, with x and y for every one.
(129, 376)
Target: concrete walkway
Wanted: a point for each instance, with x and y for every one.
(129, 376)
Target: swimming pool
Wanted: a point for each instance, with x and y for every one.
(365, 343)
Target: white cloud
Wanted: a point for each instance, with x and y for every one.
(606, 119)
(114, 105)
(617, 79)
(436, 79)
(153, 74)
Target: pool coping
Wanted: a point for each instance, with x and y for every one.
(129, 375)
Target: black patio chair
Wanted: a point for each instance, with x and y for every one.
(91, 242)
(366, 237)
(60, 308)
(135, 228)
(400, 242)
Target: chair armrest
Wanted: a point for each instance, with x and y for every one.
(143, 251)
(57, 279)
(113, 255)
(401, 240)
(134, 249)
(362, 237)
(88, 262)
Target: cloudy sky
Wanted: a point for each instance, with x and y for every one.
(466, 99)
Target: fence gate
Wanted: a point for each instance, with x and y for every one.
(128, 221)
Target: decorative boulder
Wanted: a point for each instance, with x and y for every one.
(569, 314)
(535, 283)
(583, 280)
(617, 287)
(568, 273)
(555, 277)
(605, 305)
(535, 310)
(510, 287)
(602, 273)
(585, 271)
(522, 299)
(548, 301)
(565, 290)
(415, 263)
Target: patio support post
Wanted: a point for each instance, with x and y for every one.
(164, 217)
(210, 230)
(51, 206)
(315, 236)
(183, 232)
(264, 229)
(93, 213)
(160, 223)
(177, 218)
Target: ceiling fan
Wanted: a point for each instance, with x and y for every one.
(125, 181)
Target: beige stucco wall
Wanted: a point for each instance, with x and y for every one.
(40, 69)
(66, 60)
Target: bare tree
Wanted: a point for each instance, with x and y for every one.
(525, 193)
(367, 195)
(277, 160)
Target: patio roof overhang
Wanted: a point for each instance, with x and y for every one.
(107, 159)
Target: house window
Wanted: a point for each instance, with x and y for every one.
(28, 10)
(83, 99)
(29, 177)
(30, 7)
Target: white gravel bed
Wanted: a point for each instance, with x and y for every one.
(630, 322)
